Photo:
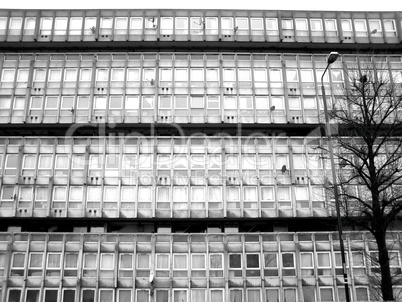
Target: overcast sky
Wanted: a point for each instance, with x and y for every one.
(338, 5)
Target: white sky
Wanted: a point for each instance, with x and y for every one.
(324, 5)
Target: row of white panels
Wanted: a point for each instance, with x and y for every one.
(188, 25)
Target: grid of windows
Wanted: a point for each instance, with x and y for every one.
(260, 91)
(166, 26)
(312, 258)
(165, 174)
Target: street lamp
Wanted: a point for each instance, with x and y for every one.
(333, 56)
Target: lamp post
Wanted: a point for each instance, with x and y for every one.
(331, 59)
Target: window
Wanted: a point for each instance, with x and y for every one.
(316, 27)
(288, 264)
(331, 28)
(7, 75)
(14, 295)
(25, 197)
(213, 102)
(272, 26)
(29, 164)
(34, 294)
(41, 197)
(307, 77)
(125, 265)
(180, 265)
(60, 26)
(3, 25)
(90, 264)
(120, 25)
(85, 74)
(179, 295)
(102, 74)
(143, 265)
(46, 26)
(106, 24)
(61, 165)
(39, 75)
(165, 75)
(236, 295)
(306, 264)
(250, 197)
(117, 74)
(59, 196)
(107, 261)
(10, 166)
(244, 75)
(147, 102)
(270, 264)
(211, 26)
(290, 295)
(180, 197)
(301, 27)
(272, 294)
(252, 265)
(181, 26)
(90, 26)
(197, 77)
(54, 75)
(133, 75)
(275, 78)
(22, 78)
(346, 27)
(88, 295)
(166, 26)
(389, 27)
(215, 197)
(15, 25)
(110, 197)
(324, 263)
(287, 24)
(17, 264)
(70, 264)
(242, 26)
(235, 265)
(362, 294)
(198, 265)
(227, 25)
(360, 27)
(35, 266)
(327, 294)
(267, 197)
(70, 75)
(336, 75)
(53, 264)
(375, 25)
(257, 25)
(197, 24)
(136, 24)
(95, 165)
(358, 263)
(212, 76)
(338, 262)
(181, 77)
(254, 295)
(292, 75)
(75, 26)
(215, 265)
(162, 265)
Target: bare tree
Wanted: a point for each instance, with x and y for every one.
(368, 147)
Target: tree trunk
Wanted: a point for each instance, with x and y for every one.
(383, 258)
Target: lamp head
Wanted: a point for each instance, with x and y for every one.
(332, 57)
